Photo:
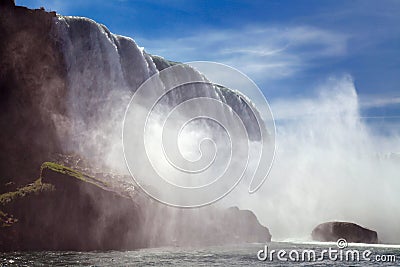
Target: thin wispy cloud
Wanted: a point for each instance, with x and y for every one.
(262, 52)
(379, 101)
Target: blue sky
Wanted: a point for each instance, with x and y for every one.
(287, 47)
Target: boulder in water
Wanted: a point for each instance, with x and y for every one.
(332, 231)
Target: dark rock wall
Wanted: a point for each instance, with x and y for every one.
(32, 85)
(7, 3)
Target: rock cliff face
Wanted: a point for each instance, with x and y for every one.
(32, 86)
(332, 231)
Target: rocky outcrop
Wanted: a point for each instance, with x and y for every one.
(68, 210)
(209, 226)
(332, 231)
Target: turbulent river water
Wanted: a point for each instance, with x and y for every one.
(240, 255)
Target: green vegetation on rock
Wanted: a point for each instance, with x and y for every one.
(33, 188)
(70, 172)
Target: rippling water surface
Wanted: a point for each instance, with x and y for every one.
(210, 256)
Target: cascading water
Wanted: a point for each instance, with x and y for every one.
(104, 70)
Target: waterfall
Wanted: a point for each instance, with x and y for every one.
(103, 72)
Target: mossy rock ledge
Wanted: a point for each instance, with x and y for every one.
(67, 210)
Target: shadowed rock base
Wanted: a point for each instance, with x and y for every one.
(68, 210)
